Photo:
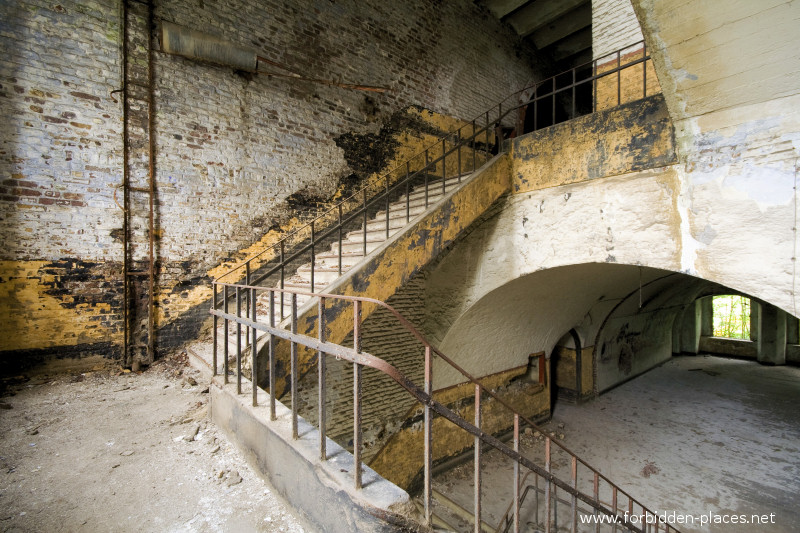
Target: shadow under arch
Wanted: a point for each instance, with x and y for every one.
(625, 314)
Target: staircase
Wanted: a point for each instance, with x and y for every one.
(356, 245)
(371, 248)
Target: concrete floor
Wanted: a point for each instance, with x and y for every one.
(697, 435)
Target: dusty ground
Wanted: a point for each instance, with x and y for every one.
(697, 435)
(112, 451)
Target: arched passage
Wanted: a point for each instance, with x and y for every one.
(627, 318)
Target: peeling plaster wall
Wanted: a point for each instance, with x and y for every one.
(499, 295)
(232, 151)
(731, 80)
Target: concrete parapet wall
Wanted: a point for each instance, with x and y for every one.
(322, 491)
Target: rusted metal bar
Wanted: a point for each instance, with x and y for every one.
(444, 167)
(254, 352)
(619, 78)
(458, 145)
(312, 255)
(428, 435)
(387, 206)
(427, 165)
(340, 239)
(151, 183)
(271, 355)
(426, 399)
(644, 69)
(408, 192)
(574, 97)
(614, 506)
(283, 273)
(548, 485)
(246, 294)
(294, 370)
(597, 499)
(238, 342)
(594, 86)
(474, 140)
(214, 330)
(321, 367)
(126, 258)
(477, 480)
(365, 222)
(357, 395)
(366, 359)
(573, 499)
(226, 347)
(516, 474)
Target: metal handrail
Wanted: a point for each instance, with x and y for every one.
(423, 394)
(483, 134)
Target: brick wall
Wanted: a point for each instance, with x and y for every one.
(614, 26)
(231, 150)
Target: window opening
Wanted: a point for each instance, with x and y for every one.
(732, 317)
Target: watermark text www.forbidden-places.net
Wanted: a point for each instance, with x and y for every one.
(675, 518)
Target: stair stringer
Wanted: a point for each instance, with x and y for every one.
(384, 271)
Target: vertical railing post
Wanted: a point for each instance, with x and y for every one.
(596, 501)
(553, 96)
(474, 138)
(357, 395)
(516, 474)
(313, 239)
(428, 442)
(486, 155)
(340, 239)
(247, 293)
(226, 347)
(644, 69)
(387, 206)
(271, 354)
(321, 366)
(444, 166)
(238, 342)
(254, 362)
(619, 77)
(283, 274)
(630, 508)
(294, 369)
(614, 506)
(548, 485)
(574, 499)
(458, 153)
(477, 460)
(498, 130)
(408, 192)
(594, 86)
(574, 78)
(214, 331)
(365, 222)
(425, 174)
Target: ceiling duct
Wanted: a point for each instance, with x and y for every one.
(193, 44)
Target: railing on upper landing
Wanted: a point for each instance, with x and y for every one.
(607, 81)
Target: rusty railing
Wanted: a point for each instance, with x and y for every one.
(452, 156)
(600, 498)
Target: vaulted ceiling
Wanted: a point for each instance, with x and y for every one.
(560, 29)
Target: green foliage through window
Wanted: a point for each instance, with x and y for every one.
(732, 317)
